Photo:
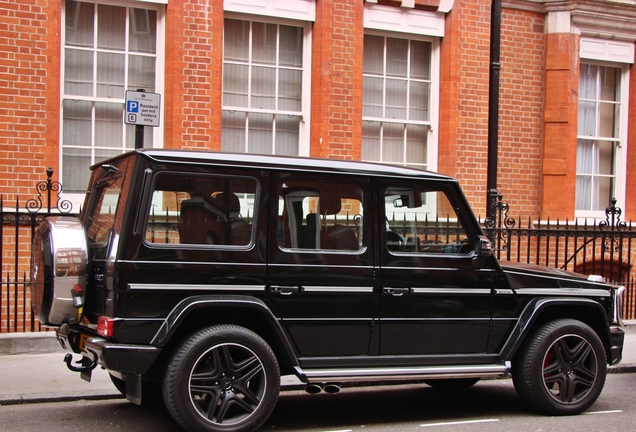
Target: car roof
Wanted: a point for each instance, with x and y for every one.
(295, 163)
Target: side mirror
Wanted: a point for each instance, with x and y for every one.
(483, 252)
(484, 247)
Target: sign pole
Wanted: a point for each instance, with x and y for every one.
(139, 136)
(139, 131)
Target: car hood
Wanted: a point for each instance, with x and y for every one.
(521, 275)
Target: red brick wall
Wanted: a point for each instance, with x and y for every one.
(521, 101)
(336, 88)
(560, 118)
(536, 137)
(29, 95)
(463, 134)
(464, 94)
(194, 58)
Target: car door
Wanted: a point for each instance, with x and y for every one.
(320, 271)
(433, 301)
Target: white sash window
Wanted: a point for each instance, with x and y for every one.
(602, 125)
(265, 86)
(107, 49)
(397, 100)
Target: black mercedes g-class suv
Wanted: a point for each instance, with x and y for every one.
(205, 276)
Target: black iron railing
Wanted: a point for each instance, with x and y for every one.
(606, 248)
(16, 234)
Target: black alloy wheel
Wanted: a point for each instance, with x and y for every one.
(561, 371)
(223, 378)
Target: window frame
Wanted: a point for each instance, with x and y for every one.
(453, 226)
(157, 133)
(151, 216)
(432, 123)
(620, 157)
(303, 189)
(305, 102)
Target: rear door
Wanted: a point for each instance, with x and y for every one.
(320, 271)
(201, 238)
(433, 301)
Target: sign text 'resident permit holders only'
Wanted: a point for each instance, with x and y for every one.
(142, 108)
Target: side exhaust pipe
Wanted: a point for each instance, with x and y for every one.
(313, 388)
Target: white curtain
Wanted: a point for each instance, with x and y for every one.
(262, 71)
(598, 108)
(587, 153)
(588, 97)
(233, 136)
(260, 137)
(586, 167)
(396, 96)
(287, 135)
(76, 133)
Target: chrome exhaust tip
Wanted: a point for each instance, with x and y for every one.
(313, 388)
(332, 388)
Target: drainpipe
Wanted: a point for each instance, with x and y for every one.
(493, 108)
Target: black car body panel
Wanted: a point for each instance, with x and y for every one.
(348, 271)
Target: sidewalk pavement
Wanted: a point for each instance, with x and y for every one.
(32, 370)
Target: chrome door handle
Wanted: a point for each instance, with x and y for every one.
(283, 290)
(397, 292)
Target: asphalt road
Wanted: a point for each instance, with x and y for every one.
(489, 406)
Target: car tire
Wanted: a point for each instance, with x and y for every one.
(561, 370)
(223, 378)
(119, 384)
(452, 384)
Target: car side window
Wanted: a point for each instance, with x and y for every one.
(203, 210)
(319, 216)
(423, 221)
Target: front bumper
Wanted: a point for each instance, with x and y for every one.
(617, 340)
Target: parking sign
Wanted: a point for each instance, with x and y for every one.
(142, 108)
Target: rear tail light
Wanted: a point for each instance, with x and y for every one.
(105, 326)
(78, 292)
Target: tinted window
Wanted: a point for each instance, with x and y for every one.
(206, 210)
(319, 216)
(423, 221)
(103, 215)
(108, 190)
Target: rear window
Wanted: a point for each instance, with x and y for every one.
(103, 201)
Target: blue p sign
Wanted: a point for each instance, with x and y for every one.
(133, 106)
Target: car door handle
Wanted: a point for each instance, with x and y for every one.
(397, 292)
(283, 290)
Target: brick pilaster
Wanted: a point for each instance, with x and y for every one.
(194, 58)
(336, 87)
(560, 126)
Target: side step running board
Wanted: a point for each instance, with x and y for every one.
(400, 374)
